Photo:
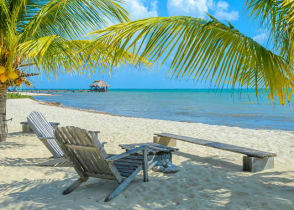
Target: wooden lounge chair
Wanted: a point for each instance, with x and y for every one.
(45, 132)
(90, 159)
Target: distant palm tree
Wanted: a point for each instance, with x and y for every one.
(45, 36)
(216, 52)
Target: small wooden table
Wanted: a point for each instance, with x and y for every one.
(163, 155)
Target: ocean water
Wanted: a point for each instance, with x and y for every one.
(217, 107)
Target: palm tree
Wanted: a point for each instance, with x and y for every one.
(45, 36)
(216, 52)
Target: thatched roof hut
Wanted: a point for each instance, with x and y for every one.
(99, 85)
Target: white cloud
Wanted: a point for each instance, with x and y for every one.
(140, 9)
(260, 38)
(196, 8)
(222, 12)
(199, 8)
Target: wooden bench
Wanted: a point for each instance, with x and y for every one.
(254, 160)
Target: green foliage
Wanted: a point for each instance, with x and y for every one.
(204, 50)
(45, 35)
(17, 96)
(278, 17)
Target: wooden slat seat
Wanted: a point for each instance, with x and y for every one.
(255, 160)
(90, 159)
(127, 165)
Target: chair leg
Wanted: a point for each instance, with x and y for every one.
(122, 185)
(74, 186)
(145, 165)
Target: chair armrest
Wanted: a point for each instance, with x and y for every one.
(128, 153)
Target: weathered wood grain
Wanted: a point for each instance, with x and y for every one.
(129, 152)
(75, 185)
(145, 164)
(89, 159)
(218, 145)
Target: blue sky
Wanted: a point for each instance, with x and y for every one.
(129, 77)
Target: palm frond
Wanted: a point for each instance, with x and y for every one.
(53, 54)
(277, 17)
(70, 18)
(44, 33)
(208, 50)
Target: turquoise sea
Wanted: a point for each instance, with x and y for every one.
(217, 107)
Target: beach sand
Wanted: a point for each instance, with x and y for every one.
(33, 94)
(208, 178)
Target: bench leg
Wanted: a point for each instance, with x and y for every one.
(165, 141)
(254, 164)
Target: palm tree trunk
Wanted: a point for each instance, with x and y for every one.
(3, 123)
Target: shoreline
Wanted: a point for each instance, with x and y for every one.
(33, 94)
(57, 104)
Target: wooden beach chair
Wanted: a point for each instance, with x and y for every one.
(90, 159)
(45, 132)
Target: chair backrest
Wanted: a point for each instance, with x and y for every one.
(43, 129)
(40, 125)
(86, 152)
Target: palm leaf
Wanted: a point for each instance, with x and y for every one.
(53, 55)
(277, 17)
(205, 50)
(43, 34)
(71, 18)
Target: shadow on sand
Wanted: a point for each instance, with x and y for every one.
(18, 134)
(8, 145)
(202, 183)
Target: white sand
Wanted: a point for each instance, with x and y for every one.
(33, 94)
(209, 178)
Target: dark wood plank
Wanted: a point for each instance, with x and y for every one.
(81, 147)
(74, 186)
(103, 155)
(62, 138)
(117, 157)
(152, 147)
(127, 163)
(145, 165)
(218, 145)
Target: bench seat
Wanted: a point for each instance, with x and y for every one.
(254, 160)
